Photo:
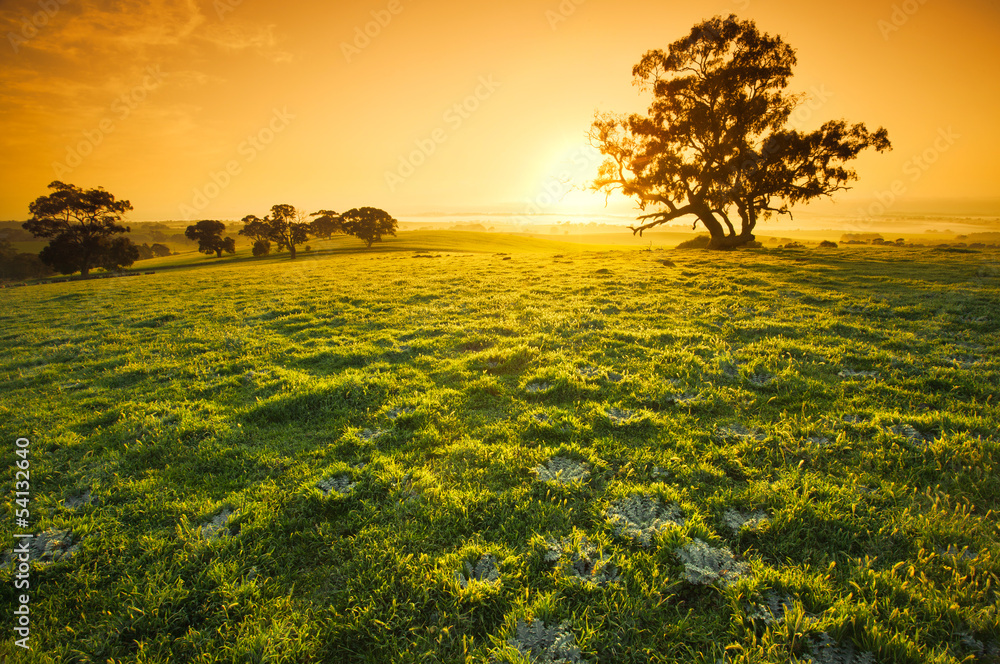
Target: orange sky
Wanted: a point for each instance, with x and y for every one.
(155, 100)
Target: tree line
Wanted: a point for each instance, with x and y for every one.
(85, 230)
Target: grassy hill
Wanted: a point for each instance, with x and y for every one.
(475, 447)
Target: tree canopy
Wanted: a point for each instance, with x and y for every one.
(284, 226)
(208, 234)
(81, 225)
(368, 224)
(715, 139)
(326, 224)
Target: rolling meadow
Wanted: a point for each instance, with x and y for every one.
(461, 447)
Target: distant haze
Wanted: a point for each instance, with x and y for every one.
(222, 108)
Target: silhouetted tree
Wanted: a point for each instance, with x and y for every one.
(715, 139)
(368, 224)
(326, 224)
(254, 228)
(208, 234)
(261, 247)
(160, 250)
(284, 227)
(80, 224)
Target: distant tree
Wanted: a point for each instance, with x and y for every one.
(80, 225)
(208, 234)
(284, 226)
(288, 227)
(369, 224)
(160, 250)
(254, 228)
(326, 224)
(20, 265)
(145, 251)
(12, 231)
(261, 247)
(715, 138)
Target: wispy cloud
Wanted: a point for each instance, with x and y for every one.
(68, 66)
(84, 37)
(234, 37)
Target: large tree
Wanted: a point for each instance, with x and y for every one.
(368, 224)
(81, 225)
(208, 234)
(715, 142)
(284, 226)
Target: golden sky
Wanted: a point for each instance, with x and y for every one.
(221, 108)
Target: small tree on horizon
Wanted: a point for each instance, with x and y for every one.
(369, 224)
(208, 234)
(80, 225)
(715, 140)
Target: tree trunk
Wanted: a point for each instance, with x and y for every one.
(291, 249)
(722, 240)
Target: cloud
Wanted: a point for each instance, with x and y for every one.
(88, 33)
(234, 37)
(71, 60)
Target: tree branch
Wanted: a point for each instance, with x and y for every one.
(664, 217)
(725, 218)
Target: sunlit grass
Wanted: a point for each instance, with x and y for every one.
(775, 383)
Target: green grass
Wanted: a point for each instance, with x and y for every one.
(239, 384)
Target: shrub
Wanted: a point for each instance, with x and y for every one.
(261, 248)
(17, 265)
(827, 244)
(860, 237)
(699, 242)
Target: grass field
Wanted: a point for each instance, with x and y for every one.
(447, 450)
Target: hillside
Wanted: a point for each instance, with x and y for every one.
(461, 446)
